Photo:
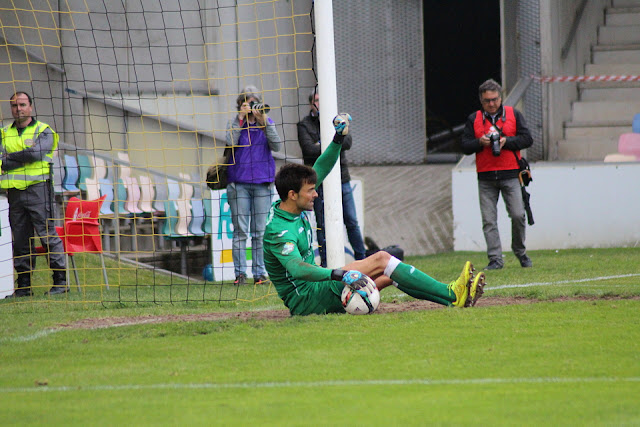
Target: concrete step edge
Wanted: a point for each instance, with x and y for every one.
(633, 67)
(586, 140)
(623, 10)
(612, 103)
(598, 123)
(615, 47)
(619, 27)
(608, 85)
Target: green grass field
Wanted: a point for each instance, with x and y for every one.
(572, 358)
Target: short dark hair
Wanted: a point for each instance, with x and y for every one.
(312, 94)
(489, 85)
(22, 93)
(293, 176)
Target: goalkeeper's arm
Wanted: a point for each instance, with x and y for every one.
(300, 270)
(355, 280)
(330, 156)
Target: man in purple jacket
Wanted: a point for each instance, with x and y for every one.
(251, 174)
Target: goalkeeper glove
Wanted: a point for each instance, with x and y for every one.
(341, 123)
(354, 280)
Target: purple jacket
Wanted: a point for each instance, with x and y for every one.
(252, 162)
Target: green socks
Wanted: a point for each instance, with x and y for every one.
(419, 285)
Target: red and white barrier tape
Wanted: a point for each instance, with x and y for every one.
(557, 79)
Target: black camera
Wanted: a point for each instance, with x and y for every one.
(494, 137)
(260, 106)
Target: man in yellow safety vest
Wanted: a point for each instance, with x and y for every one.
(27, 152)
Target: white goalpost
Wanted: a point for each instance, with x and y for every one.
(326, 65)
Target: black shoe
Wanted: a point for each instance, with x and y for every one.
(494, 265)
(525, 261)
(261, 280)
(371, 244)
(241, 280)
(57, 289)
(21, 293)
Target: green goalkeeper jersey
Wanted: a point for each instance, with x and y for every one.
(288, 250)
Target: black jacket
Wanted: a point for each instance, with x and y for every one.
(309, 139)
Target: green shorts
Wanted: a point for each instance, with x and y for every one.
(318, 298)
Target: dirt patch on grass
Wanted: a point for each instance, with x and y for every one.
(387, 307)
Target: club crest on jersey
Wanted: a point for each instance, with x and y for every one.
(287, 248)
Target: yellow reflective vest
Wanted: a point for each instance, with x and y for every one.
(31, 173)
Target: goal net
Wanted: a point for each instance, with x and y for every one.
(141, 94)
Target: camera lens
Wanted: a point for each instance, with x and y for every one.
(260, 106)
(495, 143)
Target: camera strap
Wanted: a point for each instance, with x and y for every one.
(502, 116)
(498, 128)
(494, 122)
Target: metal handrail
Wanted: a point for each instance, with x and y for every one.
(518, 91)
(147, 170)
(32, 57)
(573, 30)
(121, 105)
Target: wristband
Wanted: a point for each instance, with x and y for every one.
(337, 275)
(337, 138)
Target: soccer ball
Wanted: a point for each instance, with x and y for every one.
(207, 273)
(360, 301)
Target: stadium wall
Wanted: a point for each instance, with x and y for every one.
(556, 18)
(575, 205)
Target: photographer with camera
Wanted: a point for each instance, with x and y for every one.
(496, 134)
(251, 174)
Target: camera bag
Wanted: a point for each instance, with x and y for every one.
(525, 171)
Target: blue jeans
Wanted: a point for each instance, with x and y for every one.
(250, 204)
(350, 221)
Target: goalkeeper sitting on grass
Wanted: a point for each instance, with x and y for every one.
(307, 288)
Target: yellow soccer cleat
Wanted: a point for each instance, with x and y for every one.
(462, 285)
(477, 289)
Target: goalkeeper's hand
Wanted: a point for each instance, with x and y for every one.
(341, 123)
(354, 280)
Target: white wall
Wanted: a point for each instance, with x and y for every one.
(575, 205)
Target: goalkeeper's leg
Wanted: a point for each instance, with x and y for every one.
(386, 269)
(419, 285)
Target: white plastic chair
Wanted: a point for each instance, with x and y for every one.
(147, 193)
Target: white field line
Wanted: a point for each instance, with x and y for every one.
(35, 336)
(317, 384)
(561, 282)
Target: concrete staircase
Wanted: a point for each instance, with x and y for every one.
(605, 110)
